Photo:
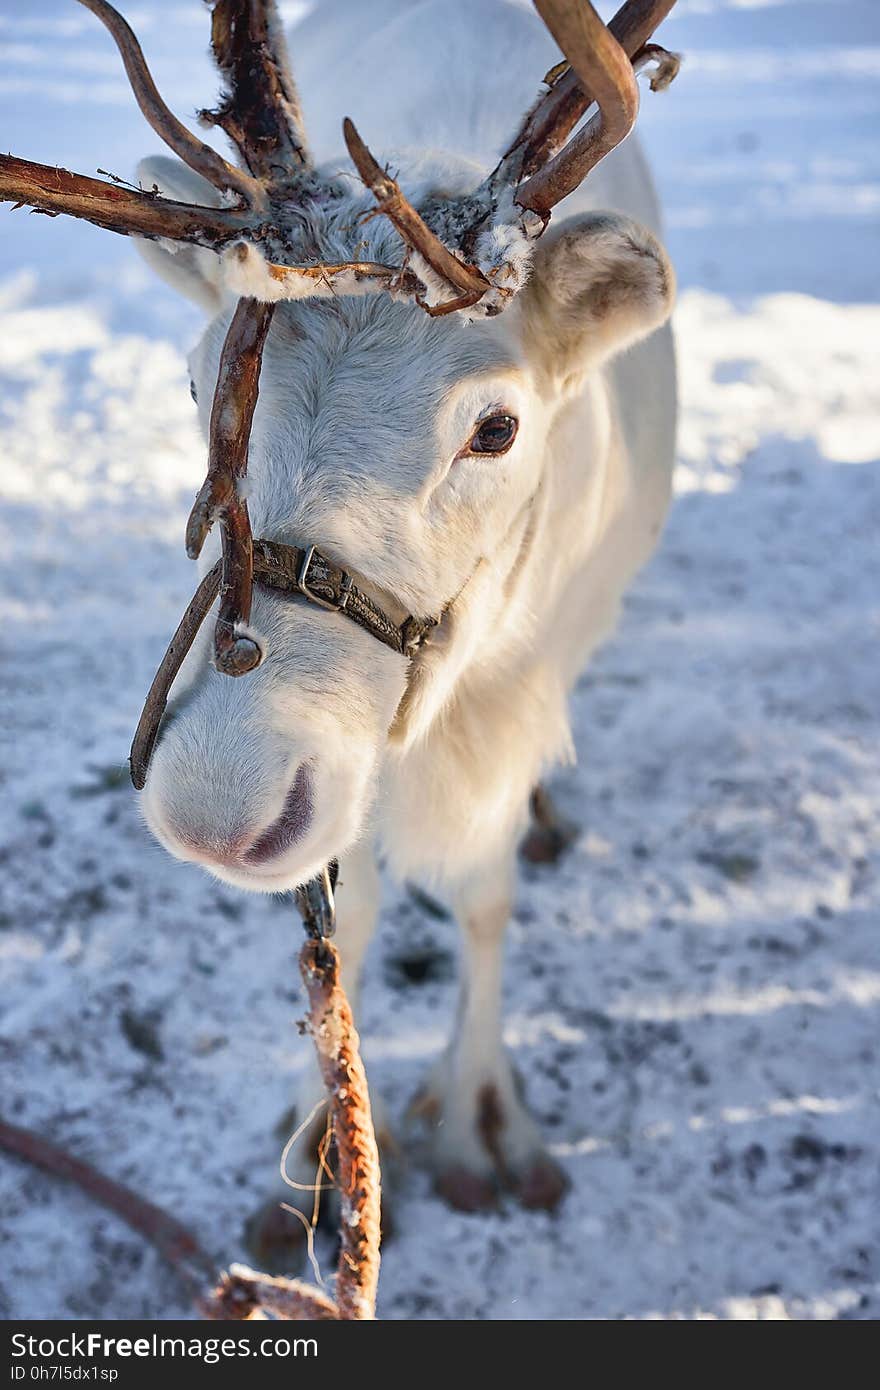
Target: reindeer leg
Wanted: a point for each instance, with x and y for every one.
(275, 1237)
(482, 1138)
(550, 833)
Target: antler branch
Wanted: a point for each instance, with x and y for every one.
(605, 71)
(118, 209)
(666, 65)
(232, 413)
(157, 697)
(187, 146)
(550, 122)
(261, 111)
(469, 283)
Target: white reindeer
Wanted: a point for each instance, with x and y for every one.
(510, 474)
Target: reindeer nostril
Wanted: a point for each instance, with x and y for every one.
(290, 825)
(203, 845)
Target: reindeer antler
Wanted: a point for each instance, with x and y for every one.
(469, 282)
(187, 146)
(606, 73)
(235, 398)
(538, 168)
(554, 116)
(452, 262)
(260, 112)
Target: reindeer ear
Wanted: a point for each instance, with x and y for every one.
(598, 285)
(192, 270)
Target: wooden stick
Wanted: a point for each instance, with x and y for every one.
(243, 1293)
(342, 1071)
(178, 1245)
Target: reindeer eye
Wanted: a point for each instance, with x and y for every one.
(494, 435)
(193, 392)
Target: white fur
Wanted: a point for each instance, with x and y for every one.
(365, 407)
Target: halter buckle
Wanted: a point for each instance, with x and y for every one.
(334, 605)
(316, 901)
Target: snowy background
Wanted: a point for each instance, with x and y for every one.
(693, 995)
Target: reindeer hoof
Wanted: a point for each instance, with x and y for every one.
(550, 833)
(543, 846)
(542, 1186)
(466, 1191)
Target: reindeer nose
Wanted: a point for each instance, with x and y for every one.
(204, 837)
(210, 845)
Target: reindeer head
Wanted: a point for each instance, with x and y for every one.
(403, 423)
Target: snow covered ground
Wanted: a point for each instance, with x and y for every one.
(693, 995)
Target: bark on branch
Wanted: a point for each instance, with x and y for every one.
(116, 208)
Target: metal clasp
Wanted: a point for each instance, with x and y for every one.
(332, 605)
(317, 903)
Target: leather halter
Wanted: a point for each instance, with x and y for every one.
(311, 574)
(288, 569)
